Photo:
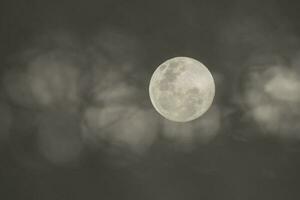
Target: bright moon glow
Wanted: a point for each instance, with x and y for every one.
(182, 89)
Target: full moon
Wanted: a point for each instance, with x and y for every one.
(181, 89)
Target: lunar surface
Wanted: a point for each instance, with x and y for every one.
(182, 89)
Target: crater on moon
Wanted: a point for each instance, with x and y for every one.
(182, 89)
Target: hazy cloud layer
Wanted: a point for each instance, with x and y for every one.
(272, 95)
(93, 93)
(264, 52)
(88, 94)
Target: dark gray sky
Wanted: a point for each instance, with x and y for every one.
(75, 117)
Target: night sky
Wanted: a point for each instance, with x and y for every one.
(76, 121)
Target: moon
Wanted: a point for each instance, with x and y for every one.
(182, 89)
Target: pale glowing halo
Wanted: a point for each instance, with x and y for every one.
(182, 89)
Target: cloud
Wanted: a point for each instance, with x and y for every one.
(112, 86)
(53, 82)
(90, 94)
(272, 96)
(46, 74)
(284, 84)
(58, 137)
(262, 55)
(81, 92)
(121, 126)
(202, 130)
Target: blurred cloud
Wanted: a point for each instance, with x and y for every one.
(116, 114)
(80, 92)
(58, 137)
(113, 87)
(122, 126)
(284, 84)
(262, 50)
(198, 131)
(54, 82)
(90, 93)
(272, 95)
(46, 75)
